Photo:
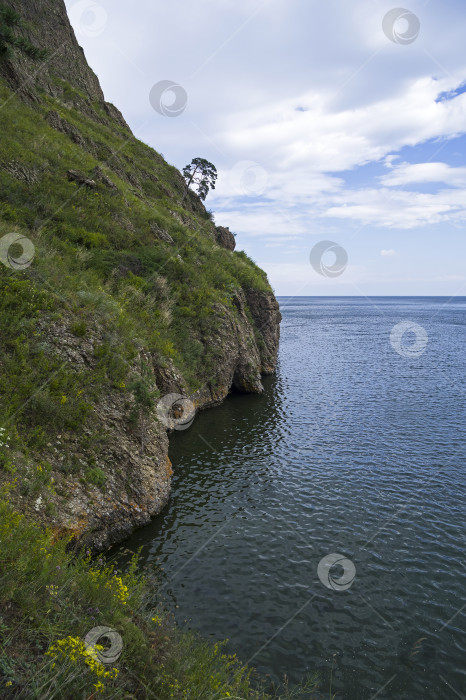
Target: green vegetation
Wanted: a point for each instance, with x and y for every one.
(202, 174)
(50, 600)
(9, 22)
(125, 267)
(103, 277)
(95, 475)
(100, 270)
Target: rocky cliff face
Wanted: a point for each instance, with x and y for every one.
(110, 473)
(135, 458)
(46, 25)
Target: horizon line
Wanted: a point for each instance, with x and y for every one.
(368, 296)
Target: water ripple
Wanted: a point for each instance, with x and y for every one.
(352, 449)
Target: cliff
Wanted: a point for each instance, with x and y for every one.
(113, 296)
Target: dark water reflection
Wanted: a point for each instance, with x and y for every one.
(352, 449)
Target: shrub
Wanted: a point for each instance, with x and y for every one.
(96, 476)
(79, 329)
(50, 599)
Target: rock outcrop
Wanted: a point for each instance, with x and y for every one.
(134, 457)
(81, 179)
(114, 474)
(225, 238)
(265, 311)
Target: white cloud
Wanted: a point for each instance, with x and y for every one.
(317, 97)
(390, 253)
(324, 139)
(399, 209)
(308, 214)
(408, 174)
(299, 151)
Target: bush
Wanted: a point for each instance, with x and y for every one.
(96, 476)
(79, 329)
(50, 599)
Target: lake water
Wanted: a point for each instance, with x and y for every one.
(357, 449)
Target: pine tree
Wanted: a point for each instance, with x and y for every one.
(202, 174)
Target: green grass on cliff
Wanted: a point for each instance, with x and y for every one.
(100, 274)
(50, 600)
(99, 270)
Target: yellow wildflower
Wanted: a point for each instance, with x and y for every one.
(74, 649)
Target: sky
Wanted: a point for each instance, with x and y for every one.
(338, 128)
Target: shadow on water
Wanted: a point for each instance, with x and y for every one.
(204, 472)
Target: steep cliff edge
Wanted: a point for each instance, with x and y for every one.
(113, 295)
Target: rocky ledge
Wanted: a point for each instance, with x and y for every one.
(134, 456)
(112, 475)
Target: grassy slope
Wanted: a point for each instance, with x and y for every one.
(50, 601)
(97, 265)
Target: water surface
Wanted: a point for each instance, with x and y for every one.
(353, 449)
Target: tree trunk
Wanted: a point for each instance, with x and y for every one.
(189, 183)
